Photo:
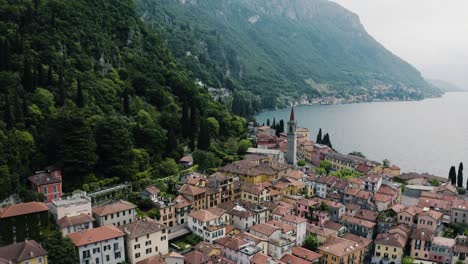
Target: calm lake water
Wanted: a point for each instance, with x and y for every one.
(421, 136)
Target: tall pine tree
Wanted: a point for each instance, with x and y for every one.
(453, 175)
(79, 95)
(319, 137)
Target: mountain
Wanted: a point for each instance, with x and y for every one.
(85, 85)
(445, 86)
(279, 50)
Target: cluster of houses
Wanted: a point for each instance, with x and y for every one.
(262, 210)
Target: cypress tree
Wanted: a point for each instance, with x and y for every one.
(274, 123)
(27, 79)
(452, 175)
(40, 74)
(50, 76)
(281, 126)
(268, 121)
(326, 140)
(80, 97)
(204, 139)
(319, 137)
(460, 175)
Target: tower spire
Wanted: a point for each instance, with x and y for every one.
(291, 117)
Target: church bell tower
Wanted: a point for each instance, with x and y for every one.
(292, 139)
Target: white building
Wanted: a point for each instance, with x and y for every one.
(279, 243)
(144, 239)
(100, 245)
(300, 225)
(206, 225)
(116, 213)
(72, 213)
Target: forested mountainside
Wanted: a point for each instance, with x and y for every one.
(87, 86)
(279, 50)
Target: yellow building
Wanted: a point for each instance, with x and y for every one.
(255, 194)
(256, 172)
(392, 171)
(288, 186)
(346, 249)
(389, 248)
(27, 252)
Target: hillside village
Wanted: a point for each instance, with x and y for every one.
(263, 209)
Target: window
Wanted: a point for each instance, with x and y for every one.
(97, 260)
(156, 249)
(163, 238)
(148, 242)
(40, 259)
(116, 246)
(44, 190)
(136, 246)
(148, 251)
(107, 257)
(118, 214)
(137, 255)
(117, 255)
(86, 254)
(55, 188)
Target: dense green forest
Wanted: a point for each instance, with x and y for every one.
(87, 86)
(276, 51)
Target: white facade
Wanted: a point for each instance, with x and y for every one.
(300, 232)
(70, 206)
(209, 230)
(321, 190)
(110, 251)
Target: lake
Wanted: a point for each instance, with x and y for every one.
(420, 136)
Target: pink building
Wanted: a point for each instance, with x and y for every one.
(318, 153)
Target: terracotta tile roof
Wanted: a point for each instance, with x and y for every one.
(372, 178)
(197, 257)
(248, 167)
(308, 202)
(203, 215)
(341, 247)
(333, 204)
(74, 220)
(141, 228)
(446, 187)
(219, 176)
(95, 235)
(293, 219)
(305, 254)
(44, 179)
(221, 260)
(281, 210)
(366, 215)
(186, 158)
(352, 191)
(190, 190)
(259, 258)
(297, 174)
(195, 179)
(181, 202)
(234, 243)
(356, 238)
(364, 195)
(363, 168)
(206, 247)
(431, 213)
(284, 227)
(23, 209)
(216, 211)
(320, 230)
(333, 225)
(158, 259)
(287, 258)
(264, 229)
(229, 229)
(421, 234)
(19, 252)
(357, 221)
(385, 189)
(459, 204)
(382, 198)
(393, 240)
(174, 254)
(250, 237)
(460, 248)
(152, 190)
(328, 180)
(251, 188)
(402, 229)
(442, 204)
(341, 184)
(443, 241)
(352, 206)
(114, 207)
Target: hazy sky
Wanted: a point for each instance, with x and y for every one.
(432, 35)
